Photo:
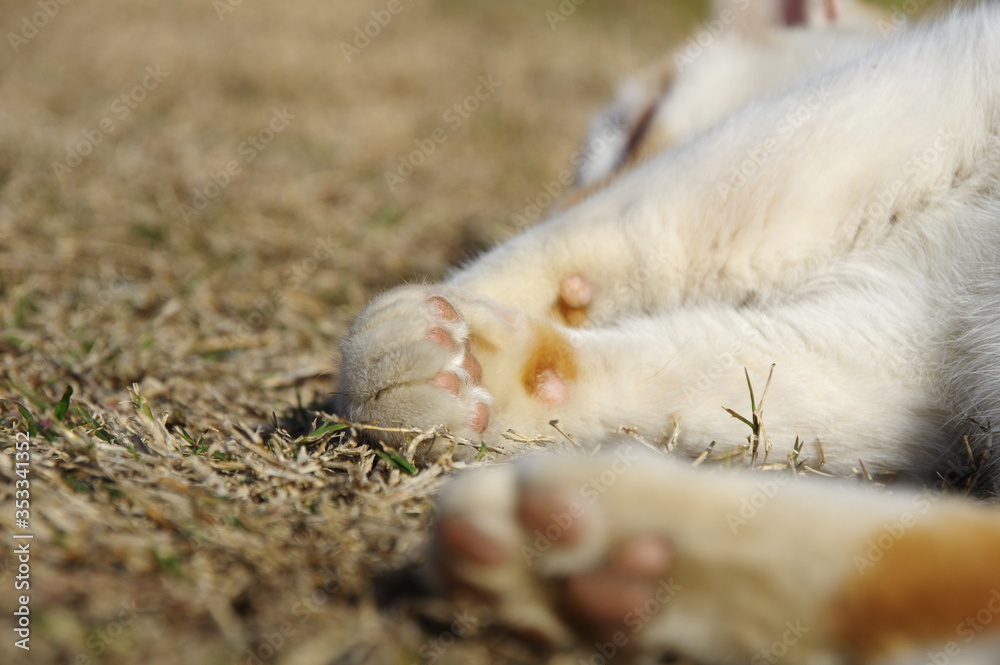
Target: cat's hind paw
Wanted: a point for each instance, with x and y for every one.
(631, 555)
(548, 561)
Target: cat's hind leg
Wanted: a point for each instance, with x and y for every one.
(633, 555)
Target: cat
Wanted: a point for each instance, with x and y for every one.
(843, 230)
(843, 233)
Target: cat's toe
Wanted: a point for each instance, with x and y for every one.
(596, 600)
(478, 549)
(603, 601)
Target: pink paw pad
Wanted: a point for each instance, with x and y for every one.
(551, 512)
(441, 336)
(472, 366)
(606, 599)
(480, 418)
(551, 388)
(449, 381)
(454, 380)
(443, 308)
(462, 539)
(576, 291)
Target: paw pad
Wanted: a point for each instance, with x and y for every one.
(575, 296)
(576, 291)
(441, 336)
(443, 308)
(480, 418)
(464, 374)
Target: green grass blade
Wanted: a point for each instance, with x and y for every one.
(394, 459)
(753, 403)
(738, 417)
(62, 406)
(325, 429)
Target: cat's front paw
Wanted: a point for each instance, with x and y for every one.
(409, 361)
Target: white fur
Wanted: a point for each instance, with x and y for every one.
(744, 52)
(846, 230)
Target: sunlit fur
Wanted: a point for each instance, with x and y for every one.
(845, 230)
(764, 567)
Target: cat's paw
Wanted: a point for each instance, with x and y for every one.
(410, 361)
(544, 552)
(548, 562)
(629, 554)
(421, 356)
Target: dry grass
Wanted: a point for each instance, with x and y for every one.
(187, 479)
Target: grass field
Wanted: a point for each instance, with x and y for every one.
(193, 205)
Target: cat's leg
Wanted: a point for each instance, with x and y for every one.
(762, 45)
(855, 380)
(631, 554)
(777, 194)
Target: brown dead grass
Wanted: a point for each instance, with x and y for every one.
(184, 510)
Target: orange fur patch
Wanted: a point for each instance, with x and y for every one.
(480, 343)
(550, 354)
(571, 316)
(937, 582)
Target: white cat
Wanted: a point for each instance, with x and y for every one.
(845, 230)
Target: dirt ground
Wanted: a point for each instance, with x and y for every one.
(196, 197)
